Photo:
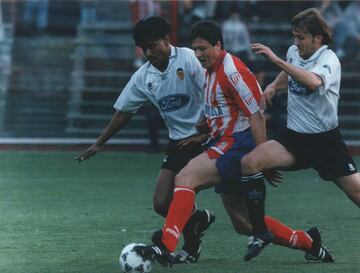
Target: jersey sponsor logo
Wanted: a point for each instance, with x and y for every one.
(298, 89)
(213, 111)
(180, 73)
(173, 102)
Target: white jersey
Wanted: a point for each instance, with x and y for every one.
(314, 111)
(177, 92)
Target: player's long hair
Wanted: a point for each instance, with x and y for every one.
(207, 30)
(312, 21)
(149, 29)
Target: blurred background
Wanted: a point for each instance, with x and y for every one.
(64, 63)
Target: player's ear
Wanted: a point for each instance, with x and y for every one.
(218, 45)
(167, 39)
(319, 39)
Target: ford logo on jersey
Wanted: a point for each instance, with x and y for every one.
(173, 102)
(298, 89)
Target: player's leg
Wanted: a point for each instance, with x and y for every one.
(200, 220)
(199, 173)
(268, 155)
(283, 235)
(334, 163)
(309, 241)
(351, 186)
(252, 188)
(163, 191)
(235, 207)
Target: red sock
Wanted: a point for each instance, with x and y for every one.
(179, 213)
(284, 235)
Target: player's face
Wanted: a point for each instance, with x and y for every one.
(306, 43)
(158, 52)
(206, 53)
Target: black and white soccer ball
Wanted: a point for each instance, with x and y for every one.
(131, 262)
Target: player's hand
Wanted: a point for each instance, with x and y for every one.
(190, 142)
(202, 127)
(267, 96)
(273, 177)
(260, 49)
(89, 152)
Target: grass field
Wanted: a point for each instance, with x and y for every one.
(60, 216)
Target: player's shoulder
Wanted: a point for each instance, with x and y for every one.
(140, 75)
(292, 51)
(232, 64)
(327, 56)
(141, 71)
(330, 54)
(185, 53)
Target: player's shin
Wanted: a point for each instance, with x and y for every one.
(255, 193)
(179, 213)
(286, 236)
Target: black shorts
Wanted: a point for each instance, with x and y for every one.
(325, 152)
(175, 159)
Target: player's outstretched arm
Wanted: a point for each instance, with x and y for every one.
(117, 122)
(309, 79)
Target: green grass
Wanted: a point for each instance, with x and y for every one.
(60, 216)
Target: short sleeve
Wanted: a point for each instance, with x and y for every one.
(326, 67)
(132, 97)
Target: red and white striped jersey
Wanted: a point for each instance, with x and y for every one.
(232, 94)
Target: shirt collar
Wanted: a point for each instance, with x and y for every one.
(218, 62)
(316, 54)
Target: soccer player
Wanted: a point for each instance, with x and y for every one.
(312, 139)
(232, 97)
(173, 81)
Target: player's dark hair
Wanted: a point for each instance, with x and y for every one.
(312, 21)
(149, 29)
(207, 30)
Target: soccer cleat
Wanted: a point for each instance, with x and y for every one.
(195, 230)
(157, 251)
(318, 252)
(256, 245)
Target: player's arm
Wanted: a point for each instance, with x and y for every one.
(258, 127)
(117, 122)
(280, 82)
(308, 79)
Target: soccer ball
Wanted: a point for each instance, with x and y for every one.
(130, 262)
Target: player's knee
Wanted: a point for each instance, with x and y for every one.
(249, 165)
(191, 176)
(185, 179)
